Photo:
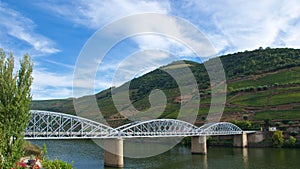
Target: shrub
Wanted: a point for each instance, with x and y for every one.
(294, 133)
(285, 121)
(245, 117)
(244, 125)
(49, 164)
(265, 87)
(291, 142)
(259, 88)
(267, 122)
(278, 139)
(277, 124)
(282, 128)
(54, 164)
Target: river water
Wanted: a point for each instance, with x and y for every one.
(87, 155)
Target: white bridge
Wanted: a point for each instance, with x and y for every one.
(52, 125)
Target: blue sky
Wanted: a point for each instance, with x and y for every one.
(54, 32)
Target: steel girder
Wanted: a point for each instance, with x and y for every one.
(52, 125)
(45, 124)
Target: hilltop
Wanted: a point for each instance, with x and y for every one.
(261, 84)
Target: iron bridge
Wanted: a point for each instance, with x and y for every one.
(53, 125)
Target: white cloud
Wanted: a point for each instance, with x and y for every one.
(14, 24)
(229, 25)
(250, 24)
(95, 14)
(50, 85)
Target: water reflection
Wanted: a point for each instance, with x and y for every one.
(245, 158)
(86, 154)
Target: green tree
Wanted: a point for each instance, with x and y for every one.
(15, 101)
(244, 125)
(278, 139)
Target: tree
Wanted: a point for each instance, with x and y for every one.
(244, 125)
(15, 101)
(278, 139)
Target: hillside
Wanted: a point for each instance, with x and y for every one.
(262, 84)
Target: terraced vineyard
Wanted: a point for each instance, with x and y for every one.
(261, 84)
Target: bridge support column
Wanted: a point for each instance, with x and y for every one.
(199, 145)
(240, 140)
(113, 153)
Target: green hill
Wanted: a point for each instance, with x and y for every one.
(261, 84)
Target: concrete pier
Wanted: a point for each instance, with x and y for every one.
(113, 153)
(199, 145)
(240, 140)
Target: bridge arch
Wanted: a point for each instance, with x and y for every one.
(158, 128)
(53, 125)
(221, 128)
(46, 124)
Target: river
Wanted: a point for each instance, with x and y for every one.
(87, 155)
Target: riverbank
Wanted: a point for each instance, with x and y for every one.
(257, 140)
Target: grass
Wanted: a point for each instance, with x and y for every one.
(284, 98)
(233, 109)
(267, 98)
(277, 114)
(256, 99)
(245, 83)
(282, 77)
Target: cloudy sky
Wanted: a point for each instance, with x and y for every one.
(54, 33)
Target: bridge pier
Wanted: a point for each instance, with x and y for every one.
(199, 145)
(240, 140)
(113, 153)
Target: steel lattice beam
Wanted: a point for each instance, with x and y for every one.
(52, 125)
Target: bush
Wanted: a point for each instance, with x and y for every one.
(277, 124)
(294, 133)
(55, 164)
(245, 117)
(285, 121)
(267, 122)
(278, 139)
(291, 142)
(265, 87)
(244, 125)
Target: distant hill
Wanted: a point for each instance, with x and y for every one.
(262, 84)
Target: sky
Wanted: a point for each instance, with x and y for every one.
(55, 32)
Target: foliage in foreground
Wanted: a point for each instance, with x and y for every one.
(15, 101)
(54, 164)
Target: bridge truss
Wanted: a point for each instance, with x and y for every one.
(52, 125)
